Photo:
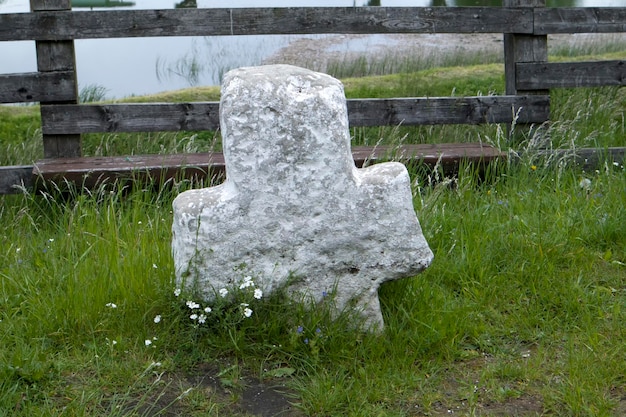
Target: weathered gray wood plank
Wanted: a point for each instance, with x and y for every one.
(580, 20)
(588, 159)
(155, 117)
(89, 172)
(36, 86)
(591, 159)
(59, 25)
(523, 48)
(570, 74)
(448, 110)
(54, 56)
(15, 178)
(150, 117)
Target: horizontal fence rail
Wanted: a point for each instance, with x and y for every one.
(579, 20)
(535, 76)
(37, 86)
(65, 25)
(528, 74)
(156, 117)
(70, 25)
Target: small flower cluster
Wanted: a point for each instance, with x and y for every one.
(198, 313)
(311, 340)
(148, 342)
(307, 340)
(247, 283)
(231, 301)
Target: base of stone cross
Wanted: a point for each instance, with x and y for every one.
(294, 210)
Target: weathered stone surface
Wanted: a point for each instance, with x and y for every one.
(294, 202)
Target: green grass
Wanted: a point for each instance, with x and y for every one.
(521, 312)
(523, 306)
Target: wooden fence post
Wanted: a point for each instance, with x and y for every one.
(522, 48)
(57, 56)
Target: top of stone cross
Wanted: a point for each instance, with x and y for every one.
(265, 145)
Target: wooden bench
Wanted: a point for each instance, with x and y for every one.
(89, 172)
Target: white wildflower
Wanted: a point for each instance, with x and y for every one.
(177, 292)
(258, 294)
(207, 309)
(223, 292)
(192, 305)
(247, 282)
(201, 318)
(157, 318)
(111, 305)
(247, 312)
(147, 342)
(155, 266)
(193, 316)
(585, 184)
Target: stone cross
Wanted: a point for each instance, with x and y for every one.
(294, 210)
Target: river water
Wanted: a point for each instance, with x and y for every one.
(136, 66)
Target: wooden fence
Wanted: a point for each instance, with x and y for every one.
(528, 74)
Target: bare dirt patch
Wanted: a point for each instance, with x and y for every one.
(206, 388)
(268, 399)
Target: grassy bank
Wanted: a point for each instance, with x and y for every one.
(521, 312)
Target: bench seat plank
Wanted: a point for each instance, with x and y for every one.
(91, 171)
